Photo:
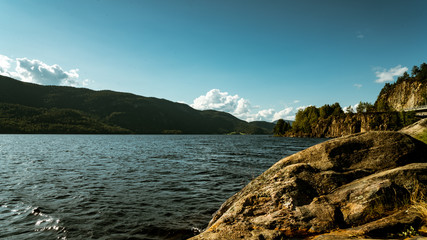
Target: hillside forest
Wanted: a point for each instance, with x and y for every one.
(32, 108)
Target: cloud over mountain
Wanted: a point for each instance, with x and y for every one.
(36, 71)
(239, 107)
(222, 101)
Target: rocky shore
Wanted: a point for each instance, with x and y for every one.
(366, 185)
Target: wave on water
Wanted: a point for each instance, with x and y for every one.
(21, 219)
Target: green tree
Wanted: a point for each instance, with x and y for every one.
(415, 71)
(313, 115)
(422, 75)
(306, 119)
(386, 89)
(325, 111)
(407, 118)
(286, 127)
(360, 107)
(404, 77)
(278, 128)
(375, 123)
(281, 127)
(382, 106)
(364, 107)
(337, 109)
(370, 107)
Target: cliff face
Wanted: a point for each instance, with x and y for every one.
(392, 99)
(337, 126)
(365, 185)
(403, 95)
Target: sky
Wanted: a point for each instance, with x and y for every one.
(258, 60)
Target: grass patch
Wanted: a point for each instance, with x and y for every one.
(418, 201)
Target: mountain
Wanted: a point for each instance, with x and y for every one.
(264, 125)
(15, 118)
(105, 110)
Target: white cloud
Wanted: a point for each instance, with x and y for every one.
(222, 101)
(243, 106)
(303, 107)
(239, 107)
(384, 75)
(287, 114)
(358, 85)
(351, 108)
(36, 71)
(217, 100)
(263, 115)
(4, 63)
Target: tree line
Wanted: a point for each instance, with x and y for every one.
(307, 119)
(15, 118)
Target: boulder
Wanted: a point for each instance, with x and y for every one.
(415, 129)
(362, 185)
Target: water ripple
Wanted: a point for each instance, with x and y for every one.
(125, 187)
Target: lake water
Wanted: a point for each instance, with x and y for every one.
(126, 186)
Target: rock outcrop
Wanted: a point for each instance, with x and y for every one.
(363, 185)
(356, 123)
(351, 123)
(404, 94)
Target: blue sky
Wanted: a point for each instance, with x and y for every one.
(259, 60)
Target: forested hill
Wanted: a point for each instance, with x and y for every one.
(32, 108)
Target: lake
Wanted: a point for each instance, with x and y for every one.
(126, 186)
